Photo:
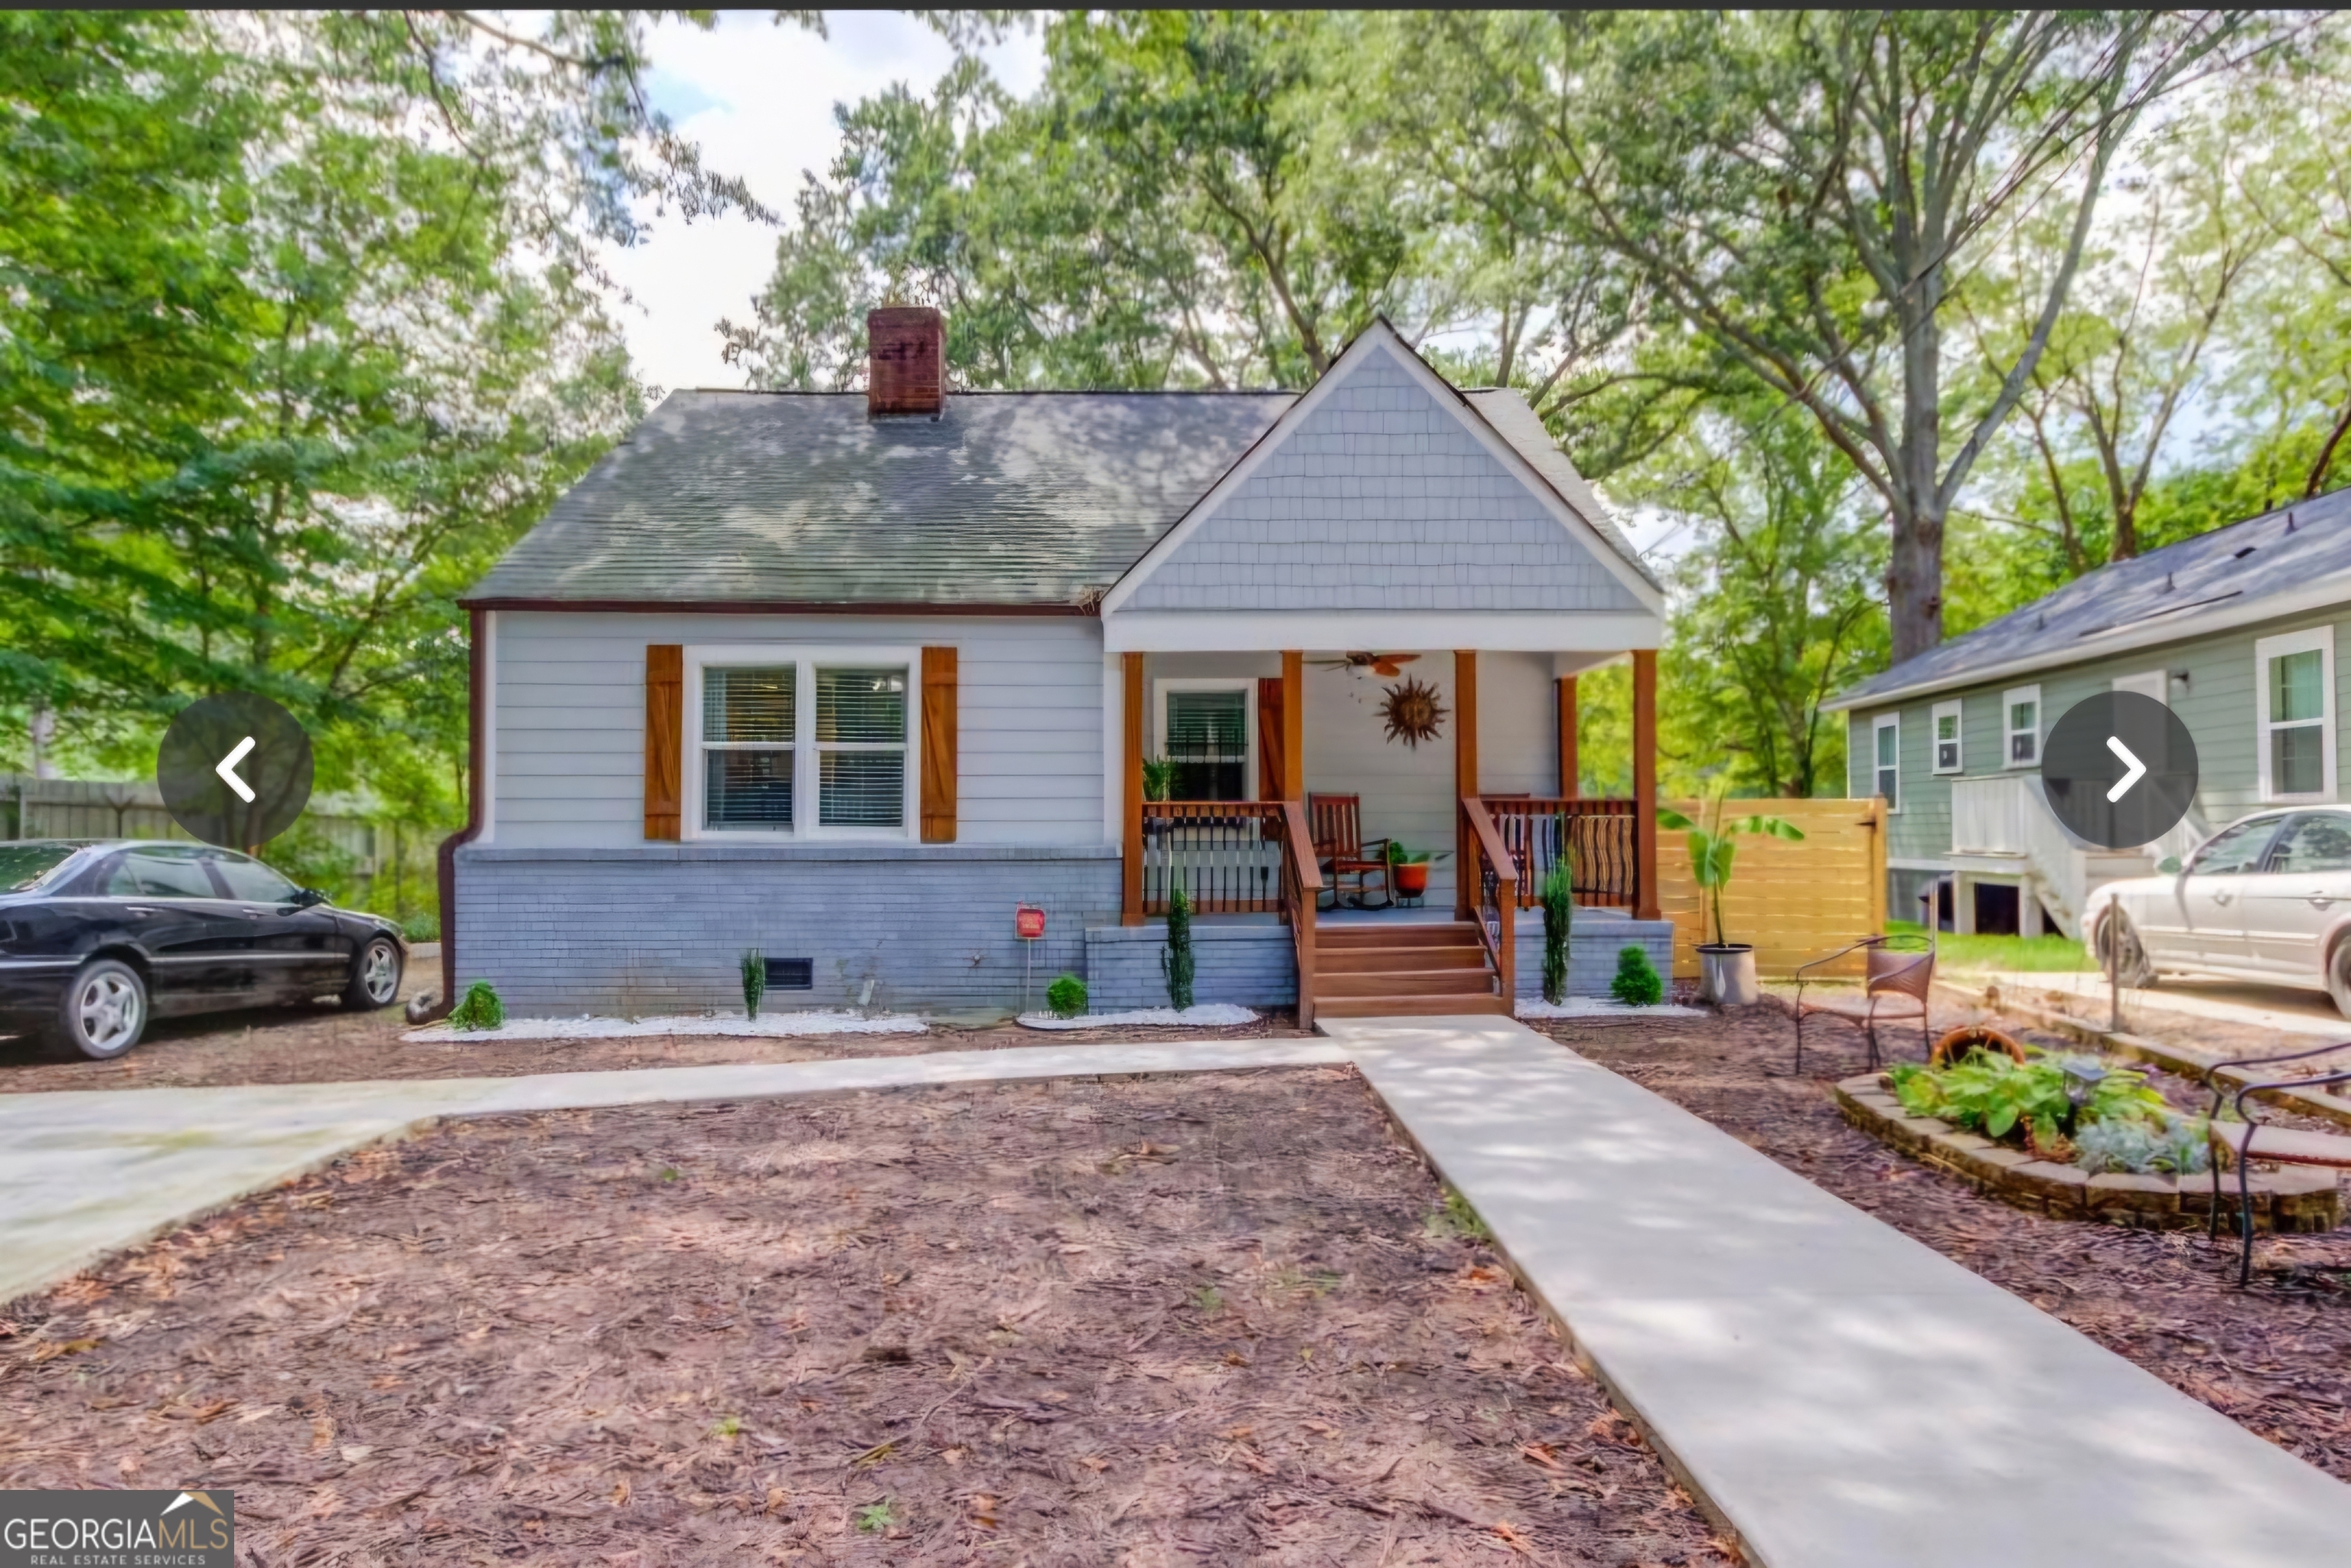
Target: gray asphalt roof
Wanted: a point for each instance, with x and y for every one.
(1009, 498)
(2222, 577)
(1014, 499)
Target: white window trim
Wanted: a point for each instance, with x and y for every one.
(1892, 721)
(2008, 700)
(805, 657)
(2320, 638)
(1246, 685)
(1935, 738)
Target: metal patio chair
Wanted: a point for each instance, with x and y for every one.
(1902, 979)
(2242, 1141)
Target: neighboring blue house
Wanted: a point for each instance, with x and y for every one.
(846, 677)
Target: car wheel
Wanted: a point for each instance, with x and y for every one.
(375, 975)
(2133, 970)
(2338, 977)
(105, 1010)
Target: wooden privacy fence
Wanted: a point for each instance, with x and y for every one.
(1794, 901)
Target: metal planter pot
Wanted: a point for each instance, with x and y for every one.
(1727, 974)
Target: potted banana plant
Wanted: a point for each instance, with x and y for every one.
(1726, 968)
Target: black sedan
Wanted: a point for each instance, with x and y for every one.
(96, 938)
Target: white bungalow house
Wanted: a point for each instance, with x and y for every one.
(845, 678)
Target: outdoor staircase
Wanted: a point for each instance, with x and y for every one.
(1383, 970)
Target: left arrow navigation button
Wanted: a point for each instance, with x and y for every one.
(226, 769)
(234, 770)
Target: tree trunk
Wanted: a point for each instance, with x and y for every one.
(1914, 581)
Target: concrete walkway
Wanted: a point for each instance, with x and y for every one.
(87, 1173)
(1841, 1395)
(1838, 1394)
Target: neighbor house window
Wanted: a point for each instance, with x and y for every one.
(2294, 691)
(816, 743)
(1203, 730)
(1886, 736)
(1947, 738)
(2021, 708)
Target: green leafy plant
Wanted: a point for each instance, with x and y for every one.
(755, 981)
(2177, 1147)
(1066, 998)
(1637, 983)
(1558, 894)
(1398, 853)
(1713, 850)
(1158, 778)
(479, 1008)
(1177, 961)
(421, 927)
(1991, 1094)
(875, 1517)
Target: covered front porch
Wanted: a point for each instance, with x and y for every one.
(1311, 778)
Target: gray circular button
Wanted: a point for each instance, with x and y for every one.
(2119, 769)
(234, 770)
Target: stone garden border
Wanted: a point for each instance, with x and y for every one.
(2291, 1200)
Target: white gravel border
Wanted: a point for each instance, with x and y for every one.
(1200, 1015)
(1600, 1006)
(767, 1026)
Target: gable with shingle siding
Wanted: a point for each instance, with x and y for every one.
(1381, 497)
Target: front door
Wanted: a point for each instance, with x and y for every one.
(2291, 902)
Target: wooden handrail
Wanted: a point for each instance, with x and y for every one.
(1497, 919)
(1302, 888)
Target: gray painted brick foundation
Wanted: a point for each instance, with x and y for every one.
(660, 929)
(1252, 964)
(1594, 939)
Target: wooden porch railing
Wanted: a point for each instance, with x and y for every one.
(1238, 857)
(1601, 838)
(1493, 876)
(1301, 887)
(1226, 854)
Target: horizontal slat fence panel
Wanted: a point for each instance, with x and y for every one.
(1794, 901)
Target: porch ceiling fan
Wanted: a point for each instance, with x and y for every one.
(1385, 665)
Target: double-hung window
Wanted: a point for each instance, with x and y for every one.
(1885, 742)
(2294, 695)
(1205, 727)
(1947, 738)
(2021, 713)
(793, 741)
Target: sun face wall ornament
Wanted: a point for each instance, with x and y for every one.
(1412, 712)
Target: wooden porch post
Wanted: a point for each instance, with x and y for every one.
(1293, 725)
(1130, 839)
(1645, 782)
(1464, 774)
(1568, 773)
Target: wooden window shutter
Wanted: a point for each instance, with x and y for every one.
(664, 738)
(1268, 739)
(938, 746)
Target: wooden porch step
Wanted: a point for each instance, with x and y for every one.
(1408, 1007)
(1478, 982)
(1434, 934)
(1377, 960)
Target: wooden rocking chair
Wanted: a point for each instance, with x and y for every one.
(1336, 822)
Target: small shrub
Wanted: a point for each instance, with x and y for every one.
(1636, 984)
(421, 927)
(754, 980)
(1989, 1093)
(1066, 998)
(2176, 1148)
(875, 1517)
(479, 1008)
(1176, 960)
(1558, 894)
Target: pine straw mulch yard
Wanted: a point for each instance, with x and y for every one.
(2274, 1357)
(1215, 1317)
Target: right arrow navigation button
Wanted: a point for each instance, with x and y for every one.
(2119, 769)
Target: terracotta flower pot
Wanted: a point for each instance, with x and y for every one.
(1411, 878)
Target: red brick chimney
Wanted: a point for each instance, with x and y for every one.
(907, 371)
